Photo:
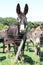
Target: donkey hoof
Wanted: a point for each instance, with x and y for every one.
(8, 56)
(15, 62)
(22, 59)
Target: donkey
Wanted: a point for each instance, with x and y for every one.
(17, 32)
(5, 39)
(35, 37)
(2, 36)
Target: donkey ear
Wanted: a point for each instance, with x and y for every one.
(26, 9)
(18, 8)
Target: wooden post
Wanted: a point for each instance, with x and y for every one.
(19, 49)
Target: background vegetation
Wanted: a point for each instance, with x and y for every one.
(5, 22)
(30, 57)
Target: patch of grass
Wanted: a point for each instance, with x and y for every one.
(30, 57)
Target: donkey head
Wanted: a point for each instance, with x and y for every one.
(22, 17)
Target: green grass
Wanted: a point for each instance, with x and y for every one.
(30, 57)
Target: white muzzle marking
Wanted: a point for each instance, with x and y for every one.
(37, 40)
(22, 28)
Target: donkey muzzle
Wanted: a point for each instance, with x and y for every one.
(22, 28)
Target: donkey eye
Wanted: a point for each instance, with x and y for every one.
(18, 19)
(35, 33)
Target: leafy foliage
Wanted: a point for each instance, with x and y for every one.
(8, 21)
(5, 22)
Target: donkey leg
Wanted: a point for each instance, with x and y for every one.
(15, 48)
(3, 47)
(35, 49)
(8, 47)
(22, 51)
(38, 52)
(23, 47)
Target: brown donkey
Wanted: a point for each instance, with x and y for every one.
(2, 37)
(35, 37)
(16, 32)
(5, 39)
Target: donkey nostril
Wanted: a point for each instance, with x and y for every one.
(6, 40)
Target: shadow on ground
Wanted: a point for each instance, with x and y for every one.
(41, 59)
(30, 50)
(2, 58)
(28, 60)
